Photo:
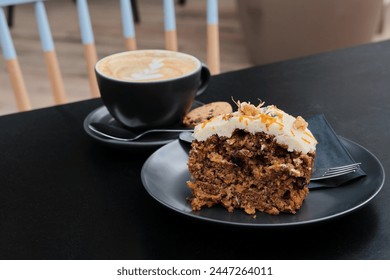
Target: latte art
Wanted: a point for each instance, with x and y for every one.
(152, 72)
(147, 65)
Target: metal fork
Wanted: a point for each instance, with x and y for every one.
(325, 173)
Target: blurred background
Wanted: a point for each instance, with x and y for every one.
(251, 32)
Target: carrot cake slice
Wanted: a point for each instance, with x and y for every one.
(256, 159)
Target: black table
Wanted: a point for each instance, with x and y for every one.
(65, 196)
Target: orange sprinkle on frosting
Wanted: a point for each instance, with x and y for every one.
(307, 141)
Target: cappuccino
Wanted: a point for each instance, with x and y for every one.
(148, 65)
(148, 89)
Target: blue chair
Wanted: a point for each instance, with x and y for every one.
(12, 63)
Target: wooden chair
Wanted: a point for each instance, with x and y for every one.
(12, 63)
(129, 34)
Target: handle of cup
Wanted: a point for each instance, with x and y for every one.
(204, 79)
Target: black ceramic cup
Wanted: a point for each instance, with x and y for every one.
(147, 89)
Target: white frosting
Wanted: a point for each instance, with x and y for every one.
(286, 129)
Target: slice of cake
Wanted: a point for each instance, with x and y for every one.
(257, 158)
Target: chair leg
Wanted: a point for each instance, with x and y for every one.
(18, 85)
(134, 5)
(10, 16)
(136, 15)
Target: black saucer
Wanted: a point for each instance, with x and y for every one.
(147, 143)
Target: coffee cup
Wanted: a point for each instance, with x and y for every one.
(146, 89)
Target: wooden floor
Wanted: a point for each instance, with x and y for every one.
(191, 27)
(105, 15)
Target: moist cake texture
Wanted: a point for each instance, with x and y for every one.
(256, 159)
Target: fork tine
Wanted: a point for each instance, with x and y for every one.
(353, 165)
(342, 169)
(337, 171)
(341, 172)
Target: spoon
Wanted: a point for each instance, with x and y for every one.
(120, 134)
(186, 136)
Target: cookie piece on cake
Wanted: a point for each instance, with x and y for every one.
(256, 159)
(206, 112)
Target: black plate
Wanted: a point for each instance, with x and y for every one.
(165, 174)
(101, 115)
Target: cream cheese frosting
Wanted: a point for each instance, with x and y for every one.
(286, 129)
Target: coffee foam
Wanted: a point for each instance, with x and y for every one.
(146, 66)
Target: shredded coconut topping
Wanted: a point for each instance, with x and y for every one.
(300, 123)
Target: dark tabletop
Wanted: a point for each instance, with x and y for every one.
(65, 196)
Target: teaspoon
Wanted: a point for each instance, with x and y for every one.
(120, 134)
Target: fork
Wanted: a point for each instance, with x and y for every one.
(325, 173)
